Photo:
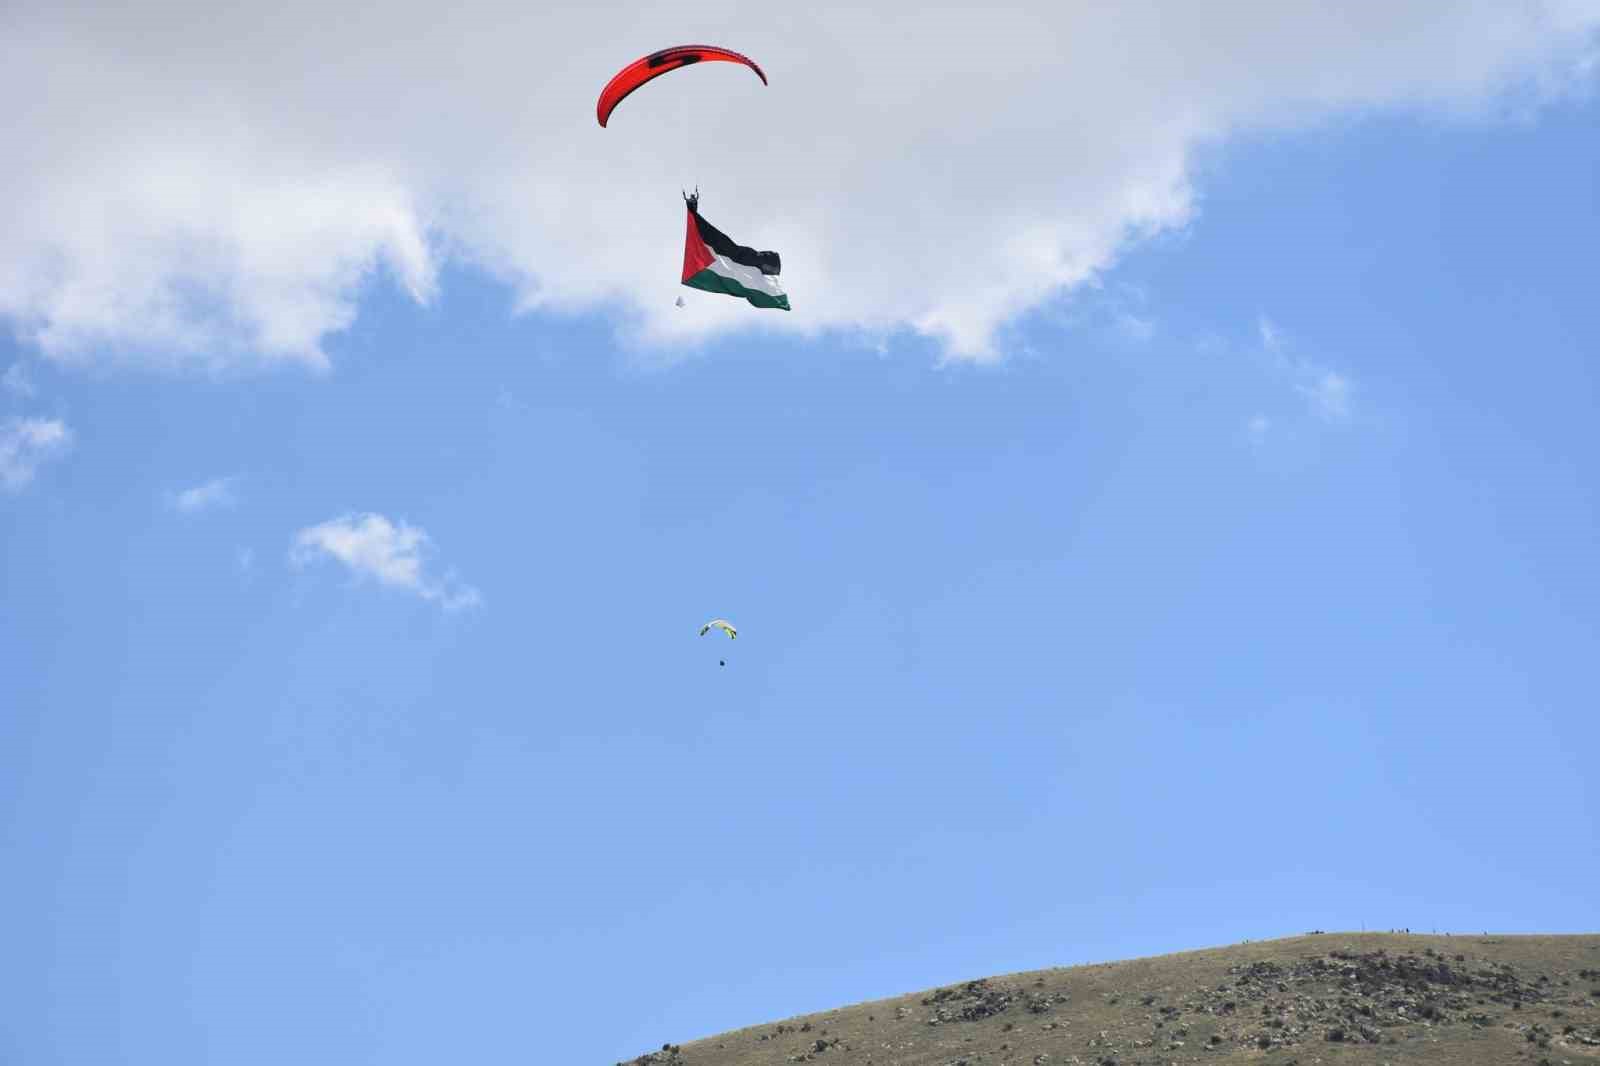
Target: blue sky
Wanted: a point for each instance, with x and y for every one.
(1246, 589)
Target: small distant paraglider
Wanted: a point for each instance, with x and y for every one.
(724, 625)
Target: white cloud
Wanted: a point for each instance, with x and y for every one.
(28, 443)
(205, 186)
(1135, 327)
(1326, 390)
(1271, 339)
(372, 546)
(219, 492)
(1257, 429)
(16, 381)
(1329, 394)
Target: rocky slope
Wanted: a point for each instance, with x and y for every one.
(1322, 998)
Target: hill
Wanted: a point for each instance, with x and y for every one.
(1350, 998)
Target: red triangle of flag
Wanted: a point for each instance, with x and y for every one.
(696, 256)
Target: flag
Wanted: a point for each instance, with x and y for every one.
(711, 261)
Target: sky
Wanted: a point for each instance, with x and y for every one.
(1166, 517)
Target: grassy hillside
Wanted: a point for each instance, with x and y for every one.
(1349, 998)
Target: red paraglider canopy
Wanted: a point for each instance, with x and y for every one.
(656, 64)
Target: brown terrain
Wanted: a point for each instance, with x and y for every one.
(1329, 998)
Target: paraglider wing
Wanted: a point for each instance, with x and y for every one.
(656, 64)
(718, 623)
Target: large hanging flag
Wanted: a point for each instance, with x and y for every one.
(711, 261)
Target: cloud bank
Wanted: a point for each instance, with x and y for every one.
(206, 185)
(370, 545)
